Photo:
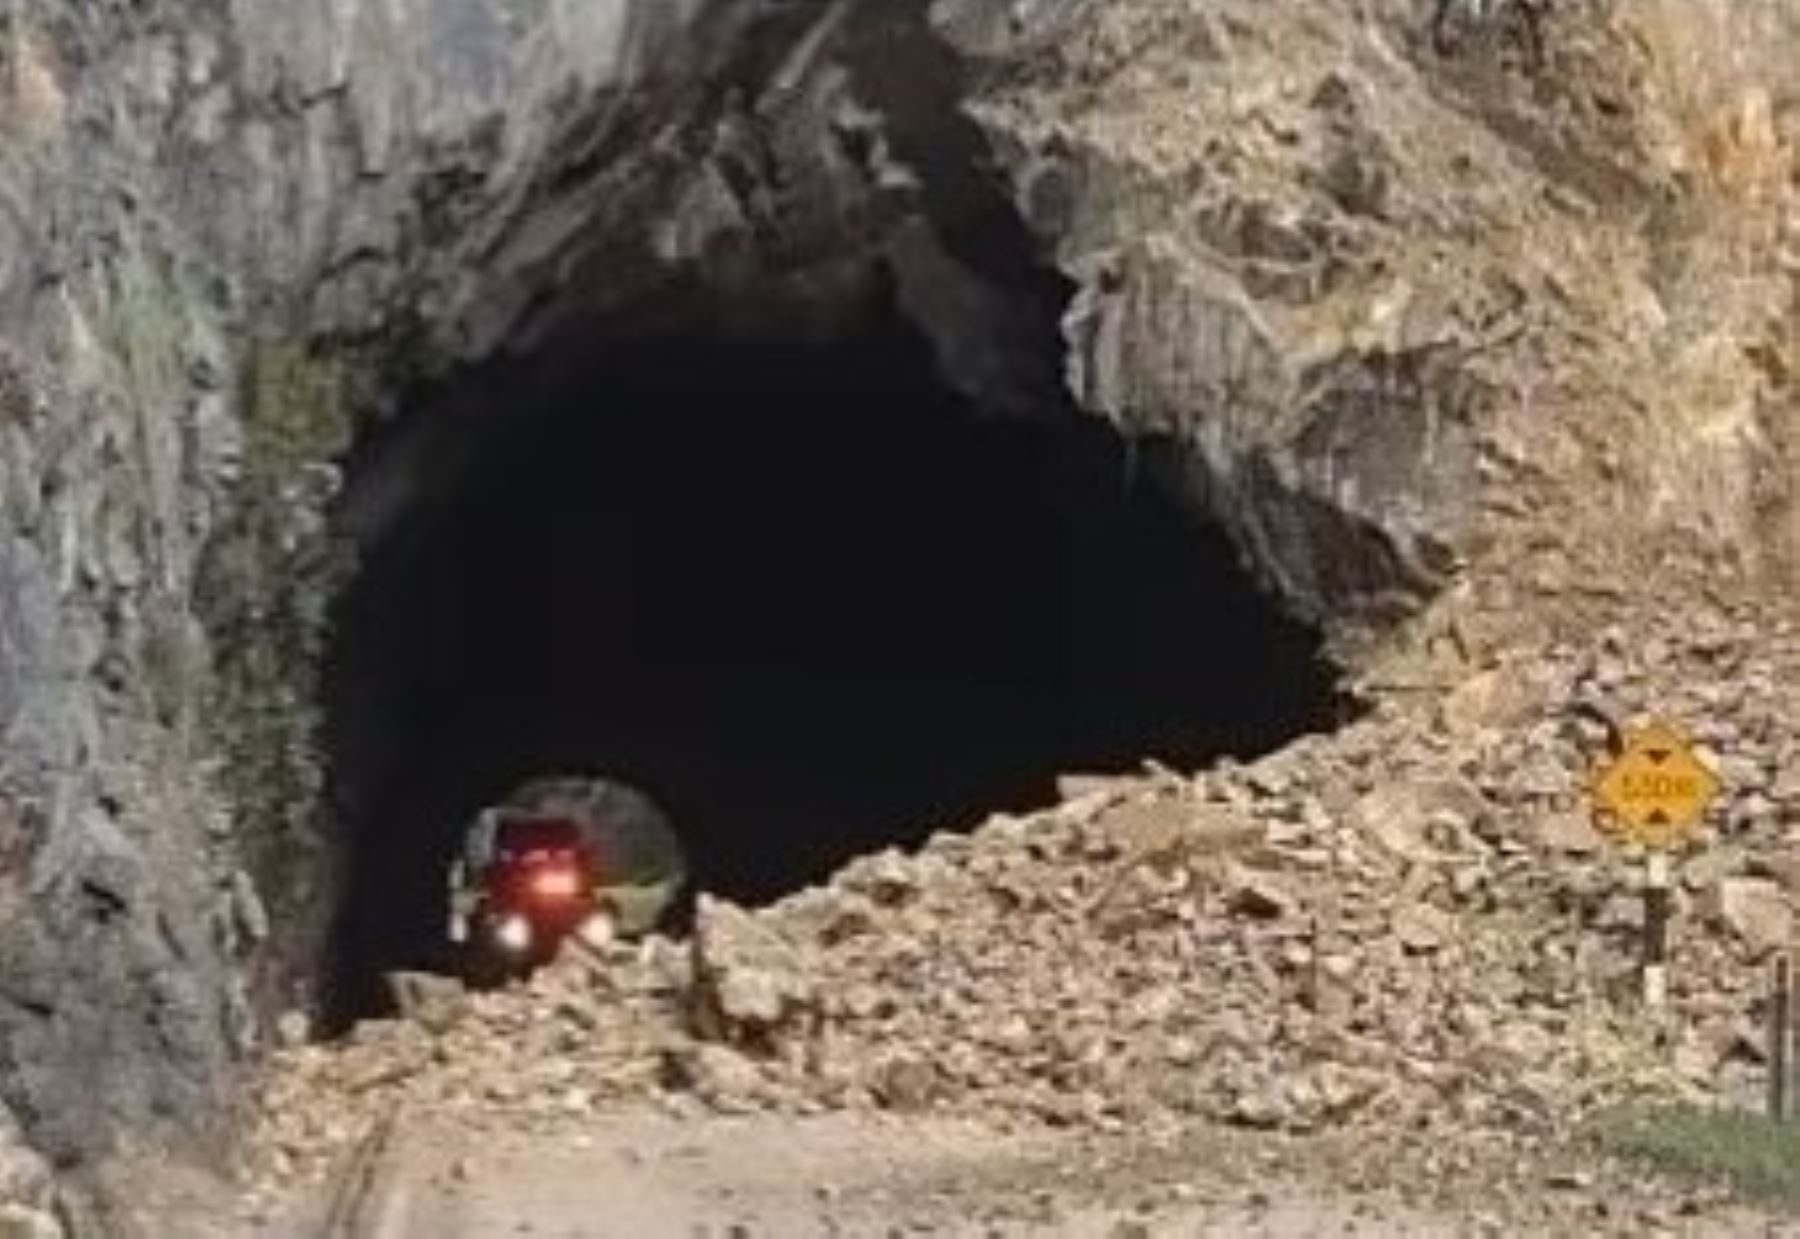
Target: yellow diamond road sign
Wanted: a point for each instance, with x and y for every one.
(1656, 789)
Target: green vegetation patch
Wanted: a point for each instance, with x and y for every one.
(295, 408)
(1755, 1156)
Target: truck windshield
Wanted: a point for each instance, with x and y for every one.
(517, 837)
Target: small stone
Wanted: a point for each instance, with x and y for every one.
(431, 1001)
(1621, 912)
(747, 996)
(718, 1075)
(906, 1084)
(293, 1029)
(1707, 869)
(1077, 786)
(1497, 698)
(888, 878)
(1181, 1051)
(1569, 833)
(1269, 778)
(1781, 865)
(862, 1001)
(1786, 785)
(1341, 1090)
(1253, 893)
(1756, 911)
(1422, 928)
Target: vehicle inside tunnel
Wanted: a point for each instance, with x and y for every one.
(798, 590)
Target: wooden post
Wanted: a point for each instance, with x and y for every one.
(1656, 929)
(1781, 1006)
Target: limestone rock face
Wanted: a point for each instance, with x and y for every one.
(1398, 313)
(1397, 318)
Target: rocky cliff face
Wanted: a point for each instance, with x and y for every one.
(1515, 310)
(1413, 322)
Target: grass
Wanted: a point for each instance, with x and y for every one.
(1756, 1156)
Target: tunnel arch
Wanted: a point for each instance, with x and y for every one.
(793, 584)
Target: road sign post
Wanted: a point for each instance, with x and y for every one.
(1654, 792)
(1781, 1039)
(1656, 930)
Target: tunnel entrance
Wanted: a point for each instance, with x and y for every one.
(799, 591)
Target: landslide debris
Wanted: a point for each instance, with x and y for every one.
(1408, 928)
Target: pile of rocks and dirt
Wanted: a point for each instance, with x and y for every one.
(1410, 926)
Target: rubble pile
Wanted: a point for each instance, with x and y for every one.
(1411, 924)
(27, 1192)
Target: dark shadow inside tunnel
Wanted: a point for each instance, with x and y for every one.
(800, 592)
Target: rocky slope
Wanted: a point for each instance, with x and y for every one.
(1408, 323)
(1408, 937)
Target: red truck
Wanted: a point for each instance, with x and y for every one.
(561, 855)
(527, 884)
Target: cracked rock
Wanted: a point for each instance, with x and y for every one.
(1757, 911)
(749, 982)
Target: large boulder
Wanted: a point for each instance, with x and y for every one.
(1756, 911)
(750, 985)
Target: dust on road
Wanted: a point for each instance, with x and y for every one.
(646, 1174)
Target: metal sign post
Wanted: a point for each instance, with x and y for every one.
(1656, 930)
(1781, 1039)
(1653, 793)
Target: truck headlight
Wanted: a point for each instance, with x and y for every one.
(513, 933)
(598, 930)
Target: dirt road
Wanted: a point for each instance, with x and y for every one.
(645, 1175)
(648, 1175)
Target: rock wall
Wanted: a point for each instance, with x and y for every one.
(1403, 319)
(1510, 312)
(117, 1000)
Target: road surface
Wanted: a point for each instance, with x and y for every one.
(645, 1175)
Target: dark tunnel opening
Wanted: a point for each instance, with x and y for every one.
(800, 592)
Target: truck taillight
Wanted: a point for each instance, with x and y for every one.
(556, 883)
